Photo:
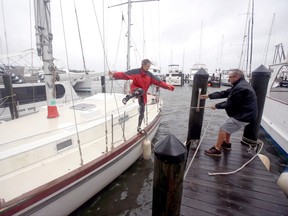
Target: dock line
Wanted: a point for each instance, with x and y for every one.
(237, 170)
(198, 144)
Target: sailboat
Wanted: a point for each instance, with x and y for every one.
(50, 164)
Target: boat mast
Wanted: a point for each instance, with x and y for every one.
(251, 35)
(129, 3)
(129, 34)
(268, 40)
(200, 49)
(244, 38)
(44, 49)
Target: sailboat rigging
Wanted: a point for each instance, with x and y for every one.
(249, 27)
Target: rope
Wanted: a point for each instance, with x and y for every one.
(105, 61)
(201, 107)
(79, 33)
(198, 101)
(102, 40)
(119, 40)
(202, 137)
(237, 170)
(70, 87)
(4, 99)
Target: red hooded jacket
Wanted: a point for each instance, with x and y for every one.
(141, 79)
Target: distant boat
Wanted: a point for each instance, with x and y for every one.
(225, 77)
(196, 67)
(175, 76)
(156, 70)
(275, 114)
(30, 97)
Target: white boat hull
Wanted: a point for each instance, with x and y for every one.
(64, 201)
(275, 118)
(275, 122)
(42, 171)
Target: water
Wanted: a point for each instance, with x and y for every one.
(131, 193)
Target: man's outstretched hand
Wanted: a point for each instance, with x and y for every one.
(110, 73)
(204, 96)
(171, 87)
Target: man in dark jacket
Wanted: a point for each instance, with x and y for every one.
(240, 106)
(142, 79)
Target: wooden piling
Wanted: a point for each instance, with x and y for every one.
(169, 166)
(103, 86)
(9, 93)
(200, 82)
(259, 81)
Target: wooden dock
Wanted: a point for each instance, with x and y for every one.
(251, 191)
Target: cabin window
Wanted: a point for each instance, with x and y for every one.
(83, 106)
(64, 144)
(279, 87)
(123, 119)
(31, 94)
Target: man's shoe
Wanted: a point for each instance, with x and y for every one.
(226, 146)
(213, 152)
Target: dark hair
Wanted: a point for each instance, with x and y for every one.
(146, 61)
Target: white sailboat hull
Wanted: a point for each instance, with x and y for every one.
(42, 171)
(64, 201)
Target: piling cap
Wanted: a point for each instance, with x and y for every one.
(261, 71)
(170, 150)
(201, 72)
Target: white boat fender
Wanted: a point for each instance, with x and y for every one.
(283, 181)
(265, 160)
(146, 149)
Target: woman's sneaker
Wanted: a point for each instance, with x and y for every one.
(125, 100)
(213, 152)
(226, 146)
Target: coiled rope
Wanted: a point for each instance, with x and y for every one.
(237, 170)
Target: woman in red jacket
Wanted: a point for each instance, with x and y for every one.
(142, 79)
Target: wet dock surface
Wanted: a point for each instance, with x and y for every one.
(251, 191)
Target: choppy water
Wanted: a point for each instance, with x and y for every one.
(131, 193)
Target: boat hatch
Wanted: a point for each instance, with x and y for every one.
(64, 144)
(83, 106)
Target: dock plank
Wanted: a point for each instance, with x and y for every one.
(251, 191)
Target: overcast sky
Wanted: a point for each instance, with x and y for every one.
(172, 32)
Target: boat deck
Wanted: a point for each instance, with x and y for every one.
(251, 191)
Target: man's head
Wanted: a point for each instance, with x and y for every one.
(235, 75)
(146, 63)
